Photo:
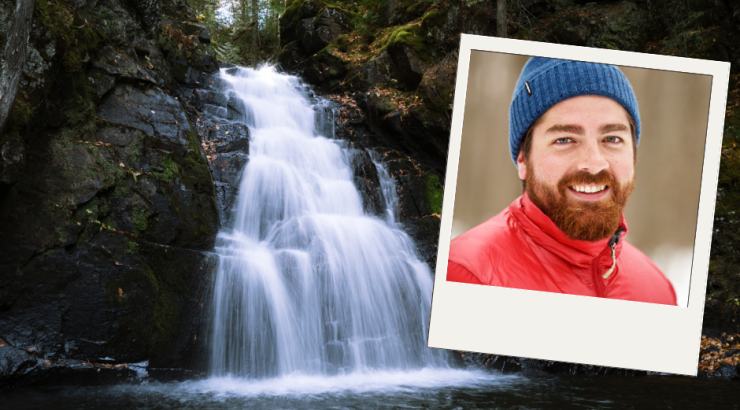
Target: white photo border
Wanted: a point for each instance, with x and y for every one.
(569, 328)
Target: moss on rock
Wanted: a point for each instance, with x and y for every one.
(433, 193)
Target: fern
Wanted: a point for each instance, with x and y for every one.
(227, 52)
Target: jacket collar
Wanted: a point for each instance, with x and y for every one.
(546, 234)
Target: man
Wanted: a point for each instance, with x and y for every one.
(574, 131)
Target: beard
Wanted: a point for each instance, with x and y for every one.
(582, 220)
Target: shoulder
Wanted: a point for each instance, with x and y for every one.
(472, 253)
(645, 275)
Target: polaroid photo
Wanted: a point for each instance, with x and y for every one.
(578, 205)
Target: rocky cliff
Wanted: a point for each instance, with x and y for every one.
(107, 205)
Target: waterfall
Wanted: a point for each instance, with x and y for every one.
(307, 283)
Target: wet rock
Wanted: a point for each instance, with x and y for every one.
(12, 160)
(14, 363)
(149, 110)
(108, 210)
(149, 12)
(121, 66)
(727, 372)
(425, 233)
(119, 22)
(100, 82)
(365, 177)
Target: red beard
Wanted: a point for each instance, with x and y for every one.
(581, 220)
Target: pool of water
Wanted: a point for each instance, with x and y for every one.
(426, 388)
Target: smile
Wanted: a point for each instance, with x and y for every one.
(588, 189)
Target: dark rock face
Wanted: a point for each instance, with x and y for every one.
(107, 205)
(409, 66)
(135, 108)
(380, 70)
(367, 182)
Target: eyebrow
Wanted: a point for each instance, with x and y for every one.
(578, 130)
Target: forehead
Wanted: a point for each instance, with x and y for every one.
(587, 111)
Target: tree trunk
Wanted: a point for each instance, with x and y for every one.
(255, 27)
(15, 58)
(501, 18)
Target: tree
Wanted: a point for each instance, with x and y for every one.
(501, 18)
(15, 58)
(255, 32)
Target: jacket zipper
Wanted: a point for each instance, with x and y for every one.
(612, 248)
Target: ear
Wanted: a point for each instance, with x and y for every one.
(521, 166)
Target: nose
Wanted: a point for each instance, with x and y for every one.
(592, 159)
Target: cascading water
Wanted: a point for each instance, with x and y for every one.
(307, 283)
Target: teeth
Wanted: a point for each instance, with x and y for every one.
(589, 189)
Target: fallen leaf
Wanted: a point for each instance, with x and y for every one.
(118, 263)
(47, 363)
(2, 343)
(120, 292)
(122, 165)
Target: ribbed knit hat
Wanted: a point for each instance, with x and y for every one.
(545, 82)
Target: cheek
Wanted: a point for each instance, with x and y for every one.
(624, 168)
(550, 170)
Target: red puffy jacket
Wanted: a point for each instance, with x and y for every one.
(522, 248)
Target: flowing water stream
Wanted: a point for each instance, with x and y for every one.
(308, 284)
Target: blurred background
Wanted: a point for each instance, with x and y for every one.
(662, 211)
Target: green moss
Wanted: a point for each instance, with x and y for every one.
(21, 115)
(433, 193)
(385, 105)
(169, 170)
(62, 235)
(113, 173)
(121, 191)
(131, 246)
(107, 221)
(434, 18)
(410, 36)
(141, 219)
(289, 20)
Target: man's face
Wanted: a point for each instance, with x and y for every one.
(580, 169)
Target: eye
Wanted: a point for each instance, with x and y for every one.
(613, 140)
(562, 141)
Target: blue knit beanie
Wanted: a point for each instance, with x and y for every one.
(545, 82)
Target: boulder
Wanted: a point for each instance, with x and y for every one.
(327, 67)
(380, 70)
(438, 83)
(295, 12)
(291, 55)
(410, 66)
(315, 33)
